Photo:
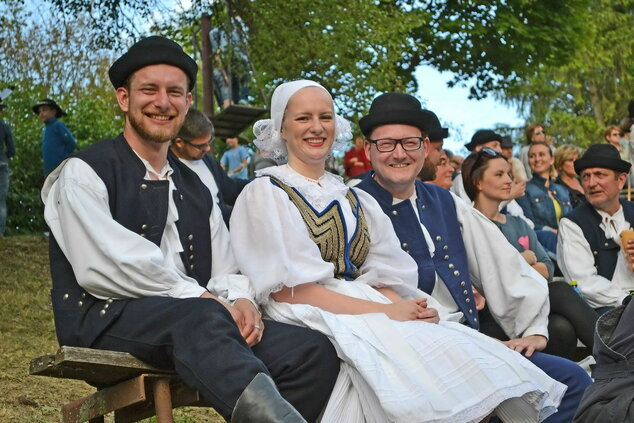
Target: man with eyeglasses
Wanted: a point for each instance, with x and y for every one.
(191, 145)
(455, 245)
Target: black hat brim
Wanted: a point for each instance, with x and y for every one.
(588, 162)
(58, 110)
(152, 51)
(422, 119)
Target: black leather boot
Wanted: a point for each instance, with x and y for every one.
(261, 402)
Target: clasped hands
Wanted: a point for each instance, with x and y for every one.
(412, 310)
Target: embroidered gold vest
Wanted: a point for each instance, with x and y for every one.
(328, 230)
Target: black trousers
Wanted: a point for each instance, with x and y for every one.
(199, 340)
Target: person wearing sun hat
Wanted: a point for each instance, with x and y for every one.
(57, 141)
(589, 247)
(456, 247)
(141, 260)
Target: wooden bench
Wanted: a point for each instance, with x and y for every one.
(130, 388)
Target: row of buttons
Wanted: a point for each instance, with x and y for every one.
(80, 303)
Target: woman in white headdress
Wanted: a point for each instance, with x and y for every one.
(324, 256)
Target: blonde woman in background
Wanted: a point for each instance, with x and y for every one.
(565, 157)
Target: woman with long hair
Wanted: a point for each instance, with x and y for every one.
(545, 202)
(487, 180)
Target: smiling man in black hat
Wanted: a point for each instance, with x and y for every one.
(589, 243)
(455, 245)
(141, 261)
(57, 141)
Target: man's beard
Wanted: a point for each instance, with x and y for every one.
(428, 172)
(159, 137)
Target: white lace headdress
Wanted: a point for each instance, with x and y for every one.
(267, 131)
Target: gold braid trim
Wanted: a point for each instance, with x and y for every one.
(328, 231)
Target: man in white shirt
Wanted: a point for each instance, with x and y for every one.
(455, 246)
(192, 145)
(141, 261)
(589, 245)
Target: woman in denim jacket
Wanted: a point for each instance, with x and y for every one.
(545, 202)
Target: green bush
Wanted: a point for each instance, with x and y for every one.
(92, 115)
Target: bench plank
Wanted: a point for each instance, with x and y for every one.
(96, 367)
(126, 385)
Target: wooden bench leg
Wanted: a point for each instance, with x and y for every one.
(163, 401)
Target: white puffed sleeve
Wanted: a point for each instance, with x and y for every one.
(516, 294)
(271, 243)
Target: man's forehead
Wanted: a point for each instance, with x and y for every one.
(597, 171)
(396, 130)
(159, 73)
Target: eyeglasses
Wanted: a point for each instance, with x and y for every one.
(539, 132)
(385, 145)
(201, 147)
(615, 134)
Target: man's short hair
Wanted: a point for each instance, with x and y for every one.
(196, 125)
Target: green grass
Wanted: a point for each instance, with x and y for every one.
(27, 331)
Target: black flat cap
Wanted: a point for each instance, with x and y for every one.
(148, 51)
(605, 156)
(483, 136)
(50, 103)
(397, 108)
(506, 142)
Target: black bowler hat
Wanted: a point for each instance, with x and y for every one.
(50, 103)
(148, 51)
(436, 133)
(397, 108)
(483, 136)
(605, 156)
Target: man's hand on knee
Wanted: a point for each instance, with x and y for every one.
(253, 326)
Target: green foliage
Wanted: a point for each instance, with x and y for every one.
(493, 44)
(26, 325)
(65, 70)
(578, 98)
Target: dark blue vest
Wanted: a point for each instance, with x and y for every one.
(437, 212)
(605, 251)
(140, 206)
